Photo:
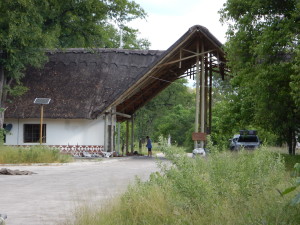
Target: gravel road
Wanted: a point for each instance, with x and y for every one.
(52, 193)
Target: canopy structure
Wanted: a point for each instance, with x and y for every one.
(180, 60)
(197, 54)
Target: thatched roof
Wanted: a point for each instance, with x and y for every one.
(83, 84)
(80, 83)
(167, 68)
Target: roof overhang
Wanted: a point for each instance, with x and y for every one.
(171, 65)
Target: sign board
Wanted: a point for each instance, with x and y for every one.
(199, 136)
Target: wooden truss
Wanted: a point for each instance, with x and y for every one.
(197, 55)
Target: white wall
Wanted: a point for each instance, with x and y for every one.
(60, 131)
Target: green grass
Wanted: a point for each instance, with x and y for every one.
(35, 154)
(225, 188)
(290, 161)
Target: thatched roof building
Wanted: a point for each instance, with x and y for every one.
(84, 83)
(80, 83)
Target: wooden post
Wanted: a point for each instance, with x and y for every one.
(127, 135)
(111, 133)
(105, 132)
(132, 133)
(210, 95)
(41, 124)
(202, 129)
(119, 142)
(197, 95)
(206, 93)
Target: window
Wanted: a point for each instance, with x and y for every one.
(247, 138)
(32, 133)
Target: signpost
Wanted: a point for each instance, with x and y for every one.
(42, 102)
(199, 136)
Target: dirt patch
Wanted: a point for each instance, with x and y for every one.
(5, 171)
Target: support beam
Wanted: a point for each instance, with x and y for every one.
(180, 57)
(202, 129)
(105, 132)
(112, 132)
(127, 135)
(206, 93)
(132, 134)
(185, 58)
(123, 115)
(119, 138)
(41, 124)
(210, 96)
(197, 95)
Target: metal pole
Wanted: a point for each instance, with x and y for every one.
(197, 94)
(41, 124)
(202, 129)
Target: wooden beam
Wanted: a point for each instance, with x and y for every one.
(127, 135)
(156, 87)
(132, 134)
(105, 132)
(112, 133)
(197, 95)
(206, 93)
(185, 58)
(123, 115)
(202, 129)
(210, 98)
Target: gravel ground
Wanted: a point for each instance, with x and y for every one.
(50, 195)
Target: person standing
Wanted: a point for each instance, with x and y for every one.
(149, 146)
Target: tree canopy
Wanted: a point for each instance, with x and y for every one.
(29, 27)
(263, 41)
(169, 113)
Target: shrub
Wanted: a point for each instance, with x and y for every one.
(35, 154)
(223, 188)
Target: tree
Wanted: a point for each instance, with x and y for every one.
(262, 42)
(295, 79)
(170, 112)
(28, 27)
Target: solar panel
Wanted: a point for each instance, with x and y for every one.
(43, 101)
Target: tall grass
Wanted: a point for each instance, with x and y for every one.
(35, 154)
(224, 188)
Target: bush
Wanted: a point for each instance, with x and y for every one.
(223, 188)
(35, 154)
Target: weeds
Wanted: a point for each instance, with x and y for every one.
(223, 188)
(35, 154)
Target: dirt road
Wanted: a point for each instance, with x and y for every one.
(50, 195)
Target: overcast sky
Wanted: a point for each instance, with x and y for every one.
(168, 20)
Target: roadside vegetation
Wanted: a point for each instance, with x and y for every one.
(223, 188)
(35, 154)
(263, 54)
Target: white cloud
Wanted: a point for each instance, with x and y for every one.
(168, 20)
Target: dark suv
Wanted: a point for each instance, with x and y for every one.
(247, 139)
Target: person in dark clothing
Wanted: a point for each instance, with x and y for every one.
(149, 146)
